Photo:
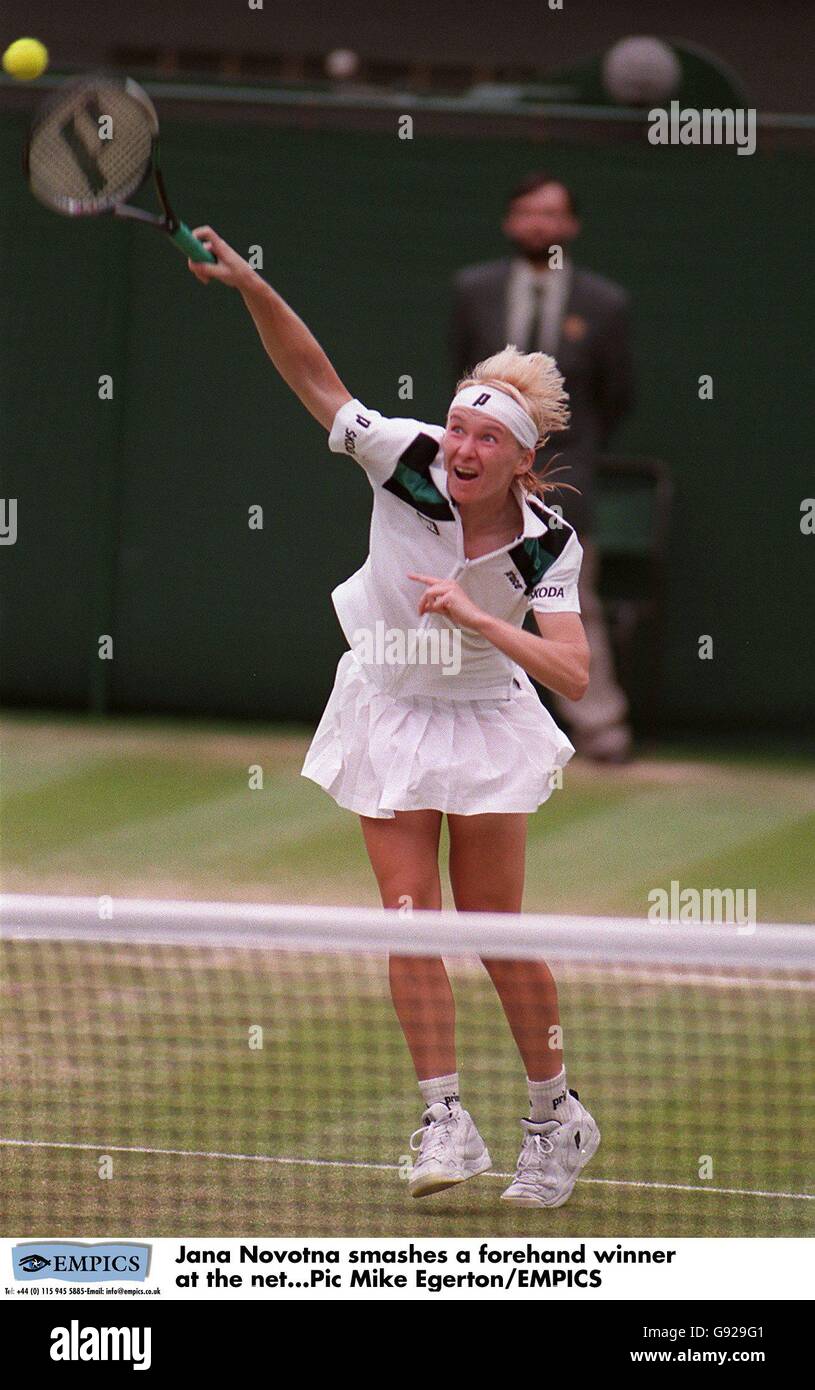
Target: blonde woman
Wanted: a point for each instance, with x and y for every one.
(461, 548)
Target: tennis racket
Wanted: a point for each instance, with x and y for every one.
(91, 146)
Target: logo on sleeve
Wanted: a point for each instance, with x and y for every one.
(513, 579)
(548, 591)
(351, 435)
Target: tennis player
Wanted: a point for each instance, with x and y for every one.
(461, 548)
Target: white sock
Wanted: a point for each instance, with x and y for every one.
(441, 1088)
(549, 1099)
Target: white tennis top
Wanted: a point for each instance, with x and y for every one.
(416, 526)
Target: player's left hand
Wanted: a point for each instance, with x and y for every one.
(447, 597)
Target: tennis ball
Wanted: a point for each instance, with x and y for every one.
(640, 70)
(25, 58)
(342, 63)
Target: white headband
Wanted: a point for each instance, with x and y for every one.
(499, 406)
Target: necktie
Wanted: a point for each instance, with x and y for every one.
(536, 323)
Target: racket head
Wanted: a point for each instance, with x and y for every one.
(81, 165)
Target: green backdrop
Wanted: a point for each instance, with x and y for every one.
(132, 513)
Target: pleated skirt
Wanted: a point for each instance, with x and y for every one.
(376, 754)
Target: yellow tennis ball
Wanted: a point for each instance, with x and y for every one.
(25, 58)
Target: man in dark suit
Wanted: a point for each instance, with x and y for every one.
(540, 301)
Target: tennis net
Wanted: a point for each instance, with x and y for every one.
(207, 1069)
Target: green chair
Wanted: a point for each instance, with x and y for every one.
(632, 506)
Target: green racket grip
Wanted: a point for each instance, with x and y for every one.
(190, 245)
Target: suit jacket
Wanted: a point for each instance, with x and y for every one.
(593, 353)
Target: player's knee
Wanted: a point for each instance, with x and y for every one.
(417, 894)
(501, 897)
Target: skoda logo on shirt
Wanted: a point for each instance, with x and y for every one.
(548, 591)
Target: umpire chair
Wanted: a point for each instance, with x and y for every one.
(632, 506)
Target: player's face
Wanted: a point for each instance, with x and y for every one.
(540, 220)
(481, 457)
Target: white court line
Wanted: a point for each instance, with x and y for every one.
(381, 1167)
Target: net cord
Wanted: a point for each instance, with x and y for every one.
(629, 941)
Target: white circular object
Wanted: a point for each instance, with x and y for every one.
(638, 70)
(342, 63)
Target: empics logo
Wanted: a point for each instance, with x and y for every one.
(75, 1343)
(81, 1264)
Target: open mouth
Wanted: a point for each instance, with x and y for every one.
(465, 475)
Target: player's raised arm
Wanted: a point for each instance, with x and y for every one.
(292, 347)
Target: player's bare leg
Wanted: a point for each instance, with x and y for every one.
(487, 860)
(404, 854)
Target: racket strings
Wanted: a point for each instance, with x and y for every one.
(91, 149)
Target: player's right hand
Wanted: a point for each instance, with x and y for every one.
(229, 268)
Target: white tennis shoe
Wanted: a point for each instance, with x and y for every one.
(450, 1150)
(552, 1155)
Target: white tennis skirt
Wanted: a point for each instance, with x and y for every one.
(376, 754)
